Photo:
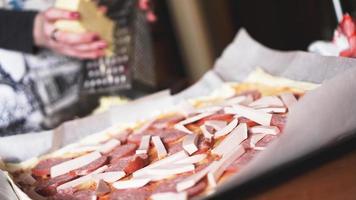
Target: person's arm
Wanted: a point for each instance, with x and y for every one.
(16, 30)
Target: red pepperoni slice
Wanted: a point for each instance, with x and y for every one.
(197, 189)
(262, 143)
(142, 193)
(44, 166)
(242, 161)
(128, 164)
(138, 162)
(69, 195)
(166, 135)
(135, 138)
(266, 140)
(279, 120)
(221, 117)
(119, 164)
(249, 122)
(204, 145)
(91, 166)
(170, 135)
(48, 187)
(170, 186)
(122, 151)
(174, 148)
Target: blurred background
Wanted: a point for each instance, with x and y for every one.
(190, 34)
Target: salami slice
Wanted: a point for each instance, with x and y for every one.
(242, 161)
(266, 140)
(136, 163)
(142, 193)
(48, 187)
(69, 195)
(170, 186)
(175, 148)
(204, 145)
(167, 135)
(249, 122)
(220, 117)
(122, 151)
(91, 166)
(119, 164)
(128, 164)
(44, 166)
(279, 120)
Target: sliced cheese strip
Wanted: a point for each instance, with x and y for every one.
(206, 133)
(156, 177)
(190, 143)
(195, 118)
(270, 130)
(81, 180)
(227, 129)
(267, 101)
(132, 183)
(181, 125)
(192, 159)
(288, 99)
(170, 169)
(182, 128)
(102, 188)
(273, 110)
(170, 196)
(193, 179)
(75, 163)
(110, 177)
(229, 110)
(254, 115)
(234, 139)
(256, 138)
(144, 145)
(100, 169)
(220, 166)
(216, 124)
(160, 149)
(109, 146)
(170, 159)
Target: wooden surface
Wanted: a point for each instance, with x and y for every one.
(335, 179)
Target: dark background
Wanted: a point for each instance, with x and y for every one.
(278, 24)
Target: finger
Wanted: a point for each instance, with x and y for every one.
(98, 45)
(75, 38)
(103, 9)
(53, 14)
(82, 54)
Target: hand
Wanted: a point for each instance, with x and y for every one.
(83, 46)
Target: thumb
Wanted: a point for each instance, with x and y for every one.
(53, 14)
